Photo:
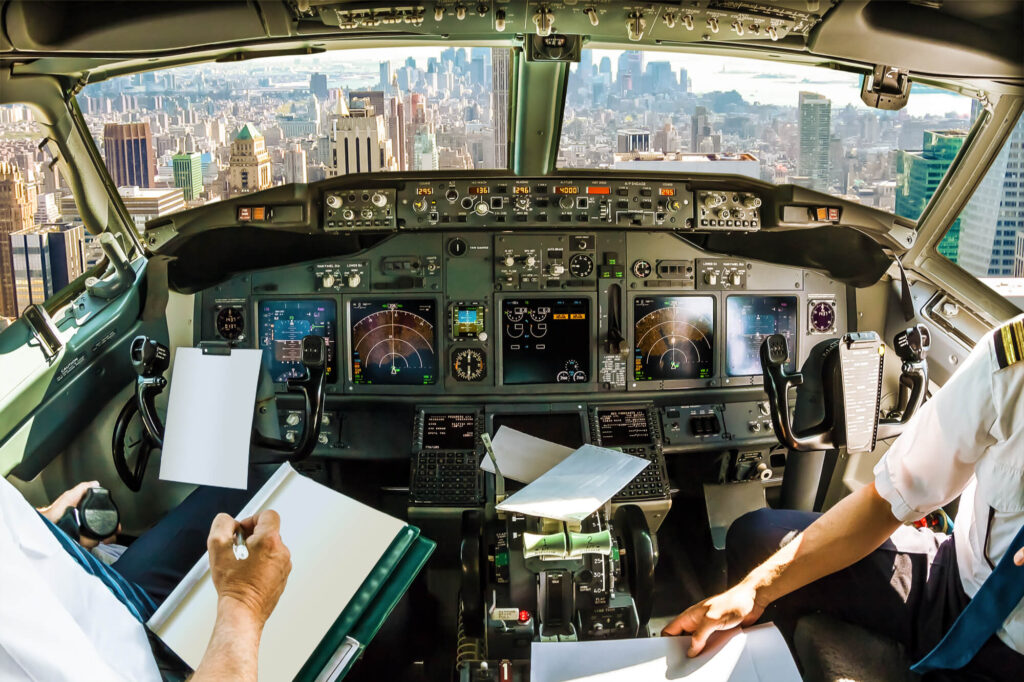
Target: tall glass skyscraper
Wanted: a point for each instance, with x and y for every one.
(918, 175)
(815, 122)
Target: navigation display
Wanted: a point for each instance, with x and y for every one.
(284, 323)
(749, 320)
(393, 342)
(619, 428)
(449, 432)
(674, 337)
(545, 340)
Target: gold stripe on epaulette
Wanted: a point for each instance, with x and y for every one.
(1010, 347)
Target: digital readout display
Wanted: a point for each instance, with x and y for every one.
(424, 191)
(618, 428)
(449, 432)
(521, 189)
(667, 191)
(567, 189)
(479, 189)
(599, 190)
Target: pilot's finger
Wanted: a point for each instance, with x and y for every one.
(684, 622)
(222, 530)
(700, 638)
(266, 522)
(71, 498)
(1018, 558)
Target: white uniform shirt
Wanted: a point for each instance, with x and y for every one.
(57, 622)
(967, 440)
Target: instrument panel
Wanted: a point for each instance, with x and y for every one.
(600, 299)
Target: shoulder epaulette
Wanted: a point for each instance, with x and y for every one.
(1009, 343)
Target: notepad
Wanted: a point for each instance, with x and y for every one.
(335, 544)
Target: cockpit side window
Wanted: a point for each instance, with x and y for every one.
(987, 238)
(41, 252)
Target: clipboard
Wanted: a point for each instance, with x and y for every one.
(351, 564)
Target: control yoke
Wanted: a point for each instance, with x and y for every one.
(850, 386)
(150, 359)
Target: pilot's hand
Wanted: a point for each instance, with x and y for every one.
(71, 498)
(727, 610)
(1018, 558)
(254, 584)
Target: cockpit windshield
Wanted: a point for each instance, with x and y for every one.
(193, 135)
(779, 122)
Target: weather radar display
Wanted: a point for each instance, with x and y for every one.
(393, 342)
(674, 338)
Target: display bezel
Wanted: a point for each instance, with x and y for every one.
(440, 346)
(538, 410)
(333, 366)
(499, 346)
(660, 384)
(794, 351)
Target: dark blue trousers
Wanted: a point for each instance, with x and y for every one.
(908, 589)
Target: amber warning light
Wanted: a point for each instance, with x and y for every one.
(599, 190)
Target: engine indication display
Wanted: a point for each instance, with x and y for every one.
(393, 342)
(749, 320)
(284, 323)
(545, 340)
(674, 338)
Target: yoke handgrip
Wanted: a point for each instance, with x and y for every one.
(777, 382)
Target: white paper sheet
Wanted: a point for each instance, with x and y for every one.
(523, 457)
(757, 654)
(334, 542)
(209, 417)
(577, 486)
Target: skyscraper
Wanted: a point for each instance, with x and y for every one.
(396, 131)
(384, 83)
(16, 208)
(499, 104)
(359, 142)
(993, 219)
(188, 174)
(703, 138)
(630, 71)
(45, 259)
(918, 175)
(318, 85)
(815, 125)
(129, 155)
(249, 164)
(295, 164)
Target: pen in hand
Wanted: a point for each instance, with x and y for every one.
(241, 551)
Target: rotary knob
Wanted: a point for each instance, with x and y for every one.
(711, 278)
(509, 261)
(347, 214)
(557, 270)
(481, 208)
(420, 205)
(530, 261)
(334, 201)
(379, 199)
(327, 281)
(353, 280)
(752, 201)
(522, 203)
(292, 419)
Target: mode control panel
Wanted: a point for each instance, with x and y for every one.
(551, 261)
(359, 209)
(728, 210)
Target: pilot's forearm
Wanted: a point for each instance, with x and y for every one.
(233, 652)
(848, 532)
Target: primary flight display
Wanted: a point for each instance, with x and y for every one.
(283, 323)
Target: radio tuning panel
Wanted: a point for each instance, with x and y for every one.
(728, 210)
(359, 209)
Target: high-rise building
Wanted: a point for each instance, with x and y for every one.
(384, 82)
(396, 132)
(499, 103)
(143, 204)
(633, 141)
(994, 217)
(1018, 256)
(630, 71)
(47, 209)
(295, 164)
(815, 129)
(188, 174)
(17, 205)
(249, 164)
(318, 85)
(425, 155)
(129, 154)
(375, 98)
(359, 142)
(918, 175)
(703, 138)
(45, 259)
